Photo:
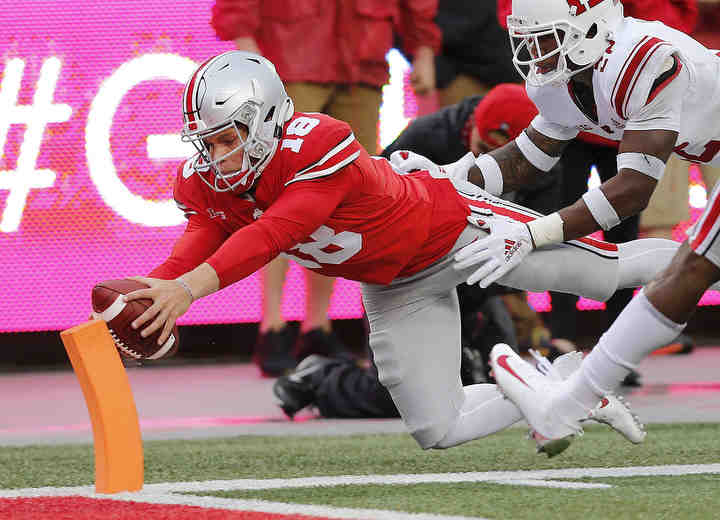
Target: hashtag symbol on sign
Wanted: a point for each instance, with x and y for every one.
(35, 117)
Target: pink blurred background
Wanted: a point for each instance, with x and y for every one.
(89, 123)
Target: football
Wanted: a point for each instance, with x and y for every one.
(108, 305)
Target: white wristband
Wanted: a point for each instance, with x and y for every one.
(553, 130)
(491, 174)
(601, 209)
(641, 162)
(185, 286)
(547, 230)
(535, 155)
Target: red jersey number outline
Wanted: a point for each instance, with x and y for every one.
(301, 126)
(327, 247)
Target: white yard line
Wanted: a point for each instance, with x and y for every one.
(529, 477)
(167, 493)
(505, 477)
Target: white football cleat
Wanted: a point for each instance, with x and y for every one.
(612, 410)
(615, 412)
(533, 392)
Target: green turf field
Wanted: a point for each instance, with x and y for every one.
(678, 496)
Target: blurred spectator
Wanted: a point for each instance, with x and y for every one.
(475, 54)
(339, 387)
(331, 57)
(706, 31)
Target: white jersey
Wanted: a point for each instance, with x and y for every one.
(628, 94)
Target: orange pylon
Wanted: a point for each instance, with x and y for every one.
(109, 399)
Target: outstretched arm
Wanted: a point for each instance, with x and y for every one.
(628, 192)
(517, 171)
(653, 117)
(643, 152)
(300, 210)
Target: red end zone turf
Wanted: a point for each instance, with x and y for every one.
(81, 508)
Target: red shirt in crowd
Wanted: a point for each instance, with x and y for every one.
(329, 42)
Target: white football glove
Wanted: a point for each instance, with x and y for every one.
(478, 217)
(405, 161)
(460, 168)
(507, 245)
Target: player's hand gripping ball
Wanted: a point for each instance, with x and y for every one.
(108, 305)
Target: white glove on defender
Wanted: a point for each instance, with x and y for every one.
(507, 245)
(405, 161)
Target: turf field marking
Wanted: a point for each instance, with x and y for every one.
(283, 507)
(168, 493)
(546, 477)
(532, 477)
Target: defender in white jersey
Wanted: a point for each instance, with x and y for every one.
(656, 91)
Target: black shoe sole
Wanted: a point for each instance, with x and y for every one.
(289, 403)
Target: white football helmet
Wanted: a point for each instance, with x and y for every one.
(580, 28)
(232, 89)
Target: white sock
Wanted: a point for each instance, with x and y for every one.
(485, 411)
(639, 330)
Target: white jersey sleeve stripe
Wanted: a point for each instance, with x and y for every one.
(337, 149)
(622, 70)
(628, 97)
(630, 75)
(705, 231)
(327, 171)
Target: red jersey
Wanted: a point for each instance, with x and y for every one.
(325, 203)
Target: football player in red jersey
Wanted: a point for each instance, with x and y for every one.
(268, 181)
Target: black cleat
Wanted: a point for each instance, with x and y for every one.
(632, 380)
(297, 390)
(273, 353)
(317, 341)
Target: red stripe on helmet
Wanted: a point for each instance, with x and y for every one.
(189, 112)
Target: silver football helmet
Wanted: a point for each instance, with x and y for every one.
(581, 30)
(232, 89)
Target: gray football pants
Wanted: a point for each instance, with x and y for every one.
(415, 325)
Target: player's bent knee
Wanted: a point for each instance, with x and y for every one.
(433, 436)
(443, 444)
(449, 438)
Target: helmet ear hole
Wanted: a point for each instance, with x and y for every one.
(592, 32)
